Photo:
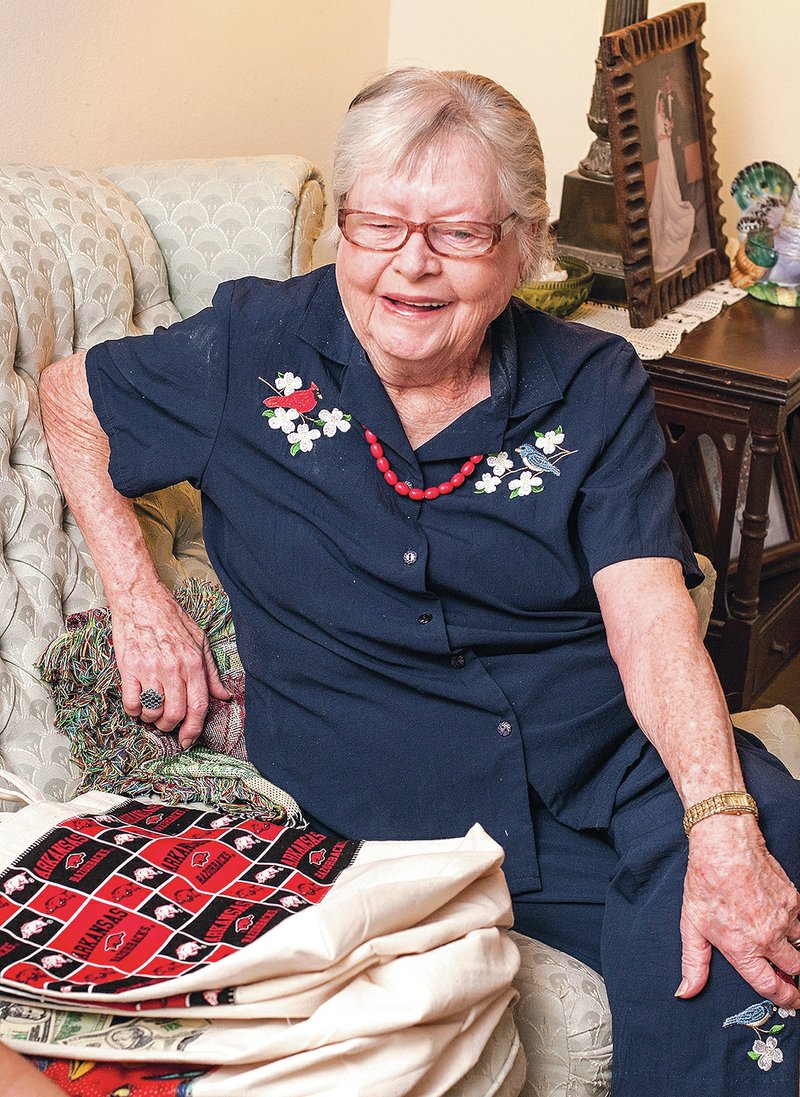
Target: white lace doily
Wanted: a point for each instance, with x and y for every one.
(663, 337)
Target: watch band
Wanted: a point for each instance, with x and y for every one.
(721, 803)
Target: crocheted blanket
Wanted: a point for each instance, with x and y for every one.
(120, 754)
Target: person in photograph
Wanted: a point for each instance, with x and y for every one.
(671, 216)
(675, 114)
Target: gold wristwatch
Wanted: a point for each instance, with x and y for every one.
(722, 803)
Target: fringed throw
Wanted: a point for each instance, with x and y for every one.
(120, 754)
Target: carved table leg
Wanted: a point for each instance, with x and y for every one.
(745, 596)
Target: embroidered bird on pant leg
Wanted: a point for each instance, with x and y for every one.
(303, 401)
(754, 1016)
(535, 460)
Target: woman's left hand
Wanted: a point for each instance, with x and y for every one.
(738, 899)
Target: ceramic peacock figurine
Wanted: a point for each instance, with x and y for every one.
(767, 263)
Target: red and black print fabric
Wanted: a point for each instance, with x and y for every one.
(145, 893)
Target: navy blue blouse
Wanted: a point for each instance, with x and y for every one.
(411, 666)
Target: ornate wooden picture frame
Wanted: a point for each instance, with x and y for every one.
(661, 130)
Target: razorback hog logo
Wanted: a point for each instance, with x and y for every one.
(123, 839)
(185, 895)
(201, 858)
(166, 911)
(75, 860)
(268, 873)
(54, 961)
(115, 941)
(27, 975)
(291, 901)
(30, 929)
(142, 874)
(317, 856)
(124, 891)
(247, 841)
(241, 925)
(56, 902)
(154, 820)
(17, 883)
(244, 892)
(187, 950)
(223, 821)
(166, 969)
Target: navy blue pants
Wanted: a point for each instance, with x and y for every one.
(613, 900)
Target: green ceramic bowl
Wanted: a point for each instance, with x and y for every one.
(560, 298)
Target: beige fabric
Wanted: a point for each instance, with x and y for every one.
(393, 984)
(703, 596)
(564, 1024)
(500, 1070)
(221, 219)
(779, 731)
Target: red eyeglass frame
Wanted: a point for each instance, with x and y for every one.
(497, 227)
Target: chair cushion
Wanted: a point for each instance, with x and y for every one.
(564, 1024)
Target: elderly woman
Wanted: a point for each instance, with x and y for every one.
(458, 581)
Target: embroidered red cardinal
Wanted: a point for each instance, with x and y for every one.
(303, 401)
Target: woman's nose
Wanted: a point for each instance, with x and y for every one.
(415, 258)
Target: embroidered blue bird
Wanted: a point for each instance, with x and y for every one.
(536, 460)
(754, 1016)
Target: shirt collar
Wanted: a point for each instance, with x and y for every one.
(514, 392)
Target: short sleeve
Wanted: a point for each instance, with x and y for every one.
(626, 507)
(160, 398)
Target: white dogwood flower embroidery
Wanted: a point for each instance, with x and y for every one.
(334, 420)
(767, 1052)
(303, 439)
(283, 419)
(500, 462)
(526, 483)
(487, 483)
(548, 441)
(287, 383)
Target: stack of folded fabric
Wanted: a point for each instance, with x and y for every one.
(184, 951)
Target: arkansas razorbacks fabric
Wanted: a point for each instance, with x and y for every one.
(273, 958)
(141, 894)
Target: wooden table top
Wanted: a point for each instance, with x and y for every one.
(752, 346)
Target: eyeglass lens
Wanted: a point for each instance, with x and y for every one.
(454, 238)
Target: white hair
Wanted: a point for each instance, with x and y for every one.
(404, 116)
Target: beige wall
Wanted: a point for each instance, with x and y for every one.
(544, 51)
(90, 82)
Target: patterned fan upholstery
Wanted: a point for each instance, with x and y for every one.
(86, 257)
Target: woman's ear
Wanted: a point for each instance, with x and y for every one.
(530, 240)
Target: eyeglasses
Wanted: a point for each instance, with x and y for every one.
(453, 239)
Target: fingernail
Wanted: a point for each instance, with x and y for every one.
(679, 993)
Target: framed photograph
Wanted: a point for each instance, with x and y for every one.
(660, 126)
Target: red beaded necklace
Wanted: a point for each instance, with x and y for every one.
(402, 488)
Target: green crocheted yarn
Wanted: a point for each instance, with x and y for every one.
(119, 754)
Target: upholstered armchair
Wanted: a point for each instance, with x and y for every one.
(86, 257)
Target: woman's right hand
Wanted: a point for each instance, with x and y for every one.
(159, 647)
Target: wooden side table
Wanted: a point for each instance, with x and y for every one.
(736, 380)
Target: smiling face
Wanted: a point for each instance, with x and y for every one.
(413, 311)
